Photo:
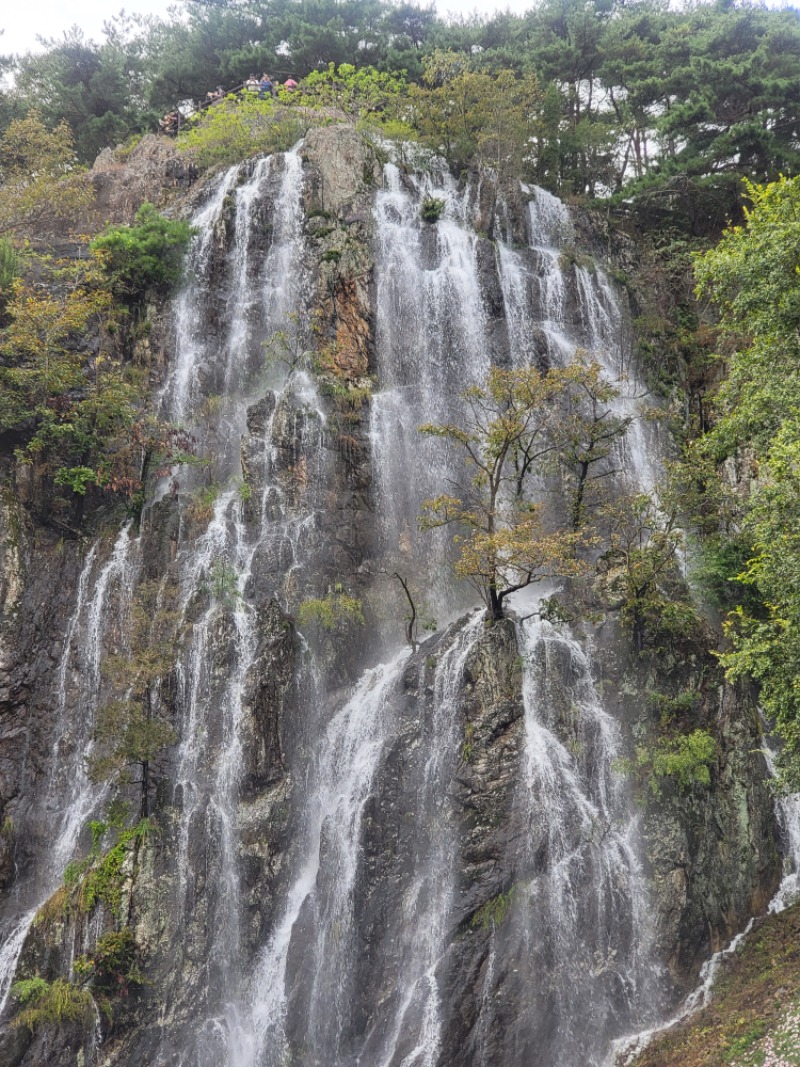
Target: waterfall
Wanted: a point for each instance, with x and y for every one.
(303, 989)
(417, 1024)
(788, 811)
(182, 383)
(69, 798)
(318, 909)
(356, 962)
(555, 307)
(581, 906)
(217, 570)
(432, 343)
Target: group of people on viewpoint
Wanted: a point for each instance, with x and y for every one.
(265, 87)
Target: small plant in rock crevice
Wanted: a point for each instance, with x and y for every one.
(334, 611)
(431, 209)
(112, 965)
(468, 746)
(494, 912)
(54, 1003)
(223, 581)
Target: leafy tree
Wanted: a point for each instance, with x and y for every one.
(188, 56)
(41, 373)
(39, 178)
(508, 431)
(586, 434)
(641, 568)
(65, 418)
(358, 91)
(96, 89)
(710, 95)
(476, 119)
(752, 277)
(77, 416)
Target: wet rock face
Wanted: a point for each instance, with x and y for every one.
(456, 768)
(342, 173)
(13, 553)
(270, 685)
(493, 833)
(477, 776)
(712, 851)
(39, 584)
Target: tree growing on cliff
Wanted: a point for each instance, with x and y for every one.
(586, 434)
(474, 116)
(143, 258)
(77, 417)
(503, 541)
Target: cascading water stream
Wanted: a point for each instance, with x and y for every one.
(581, 905)
(69, 797)
(788, 812)
(432, 343)
(216, 571)
(640, 449)
(536, 285)
(417, 1021)
(318, 909)
(190, 341)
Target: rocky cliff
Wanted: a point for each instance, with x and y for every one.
(445, 857)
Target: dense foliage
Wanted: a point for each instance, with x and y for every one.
(668, 104)
(144, 257)
(753, 278)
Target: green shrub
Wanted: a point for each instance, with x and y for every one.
(112, 965)
(51, 1003)
(679, 706)
(361, 92)
(29, 989)
(494, 911)
(686, 758)
(336, 609)
(201, 508)
(98, 879)
(431, 209)
(145, 256)
(240, 127)
(9, 269)
(223, 582)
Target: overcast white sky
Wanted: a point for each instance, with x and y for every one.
(23, 20)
